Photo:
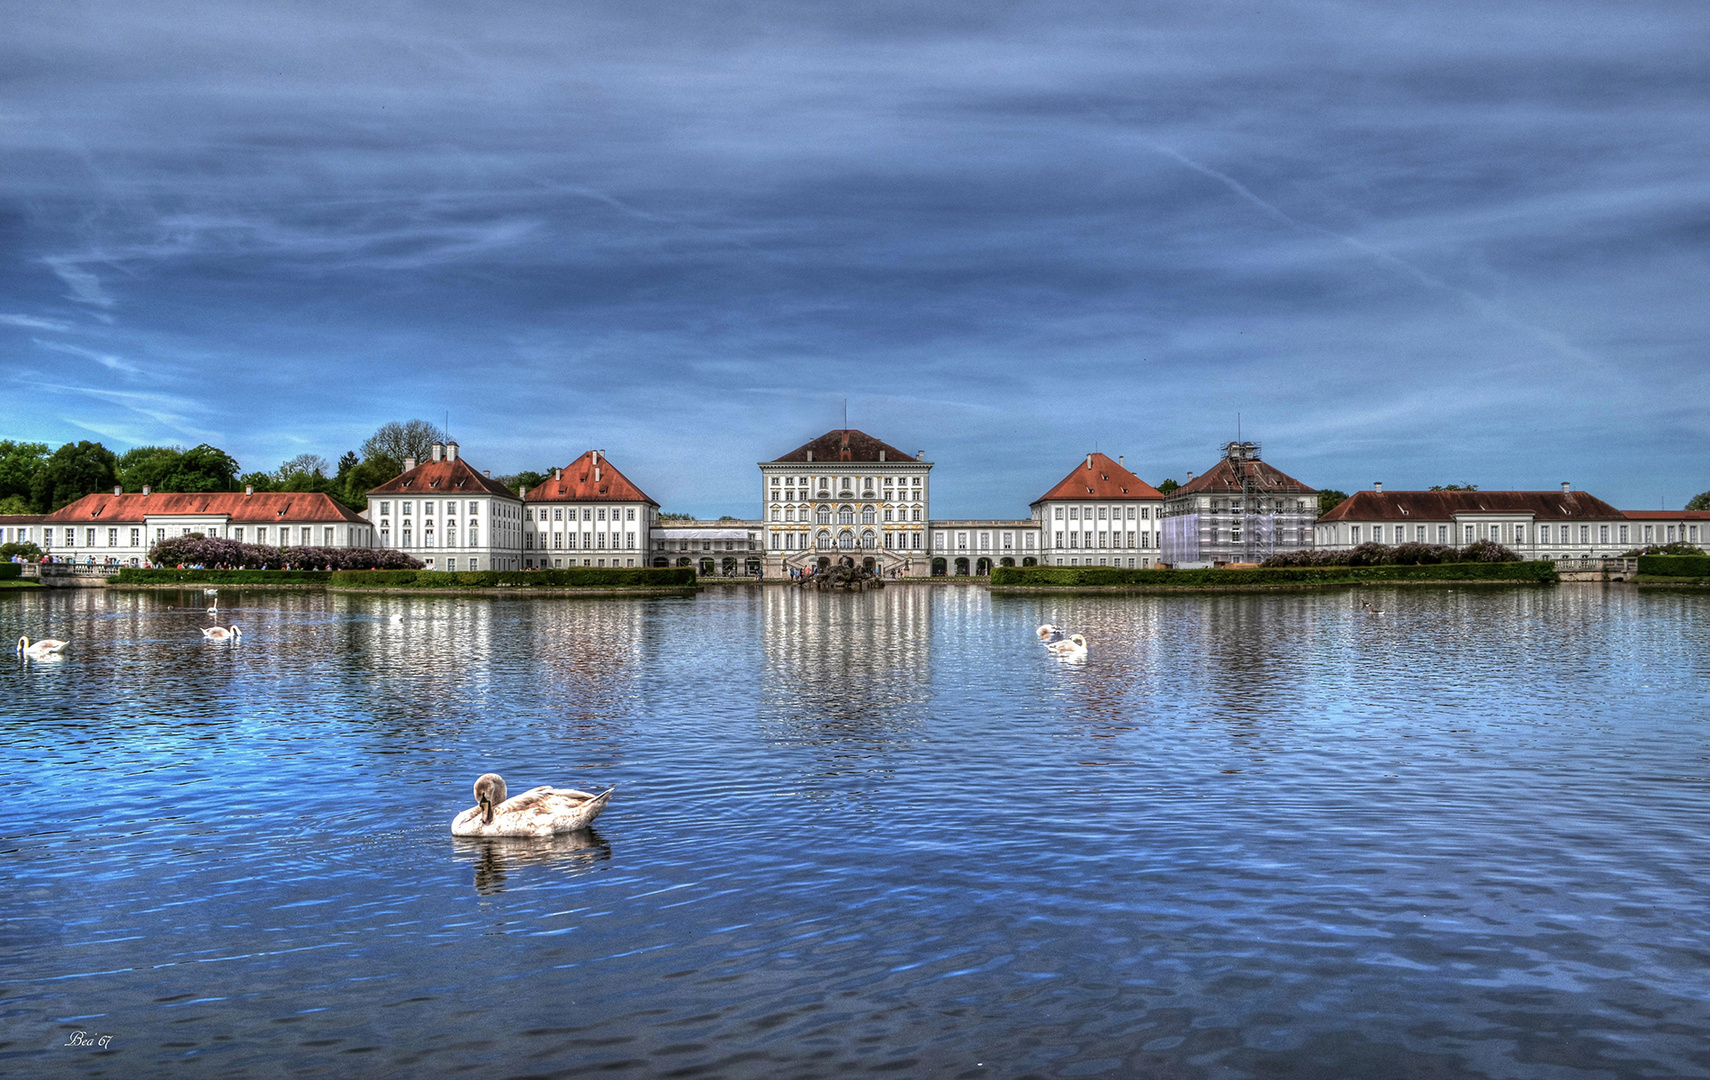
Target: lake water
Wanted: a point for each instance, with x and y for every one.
(1252, 836)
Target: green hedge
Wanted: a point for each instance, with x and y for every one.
(1095, 576)
(132, 575)
(1675, 565)
(11, 570)
(587, 577)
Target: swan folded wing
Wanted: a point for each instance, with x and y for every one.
(541, 811)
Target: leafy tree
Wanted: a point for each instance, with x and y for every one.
(1329, 499)
(23, 550)
(15, 504)
(173, 468)
(74, 470)
(676, 517)
(524, 482)
(365, 476)
(19, 463)
(1699, 502)
(346, 462)
(260, 481)
(396, 441)
(1454, 487)
(1167, 486)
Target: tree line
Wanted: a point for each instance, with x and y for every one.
(35, 479)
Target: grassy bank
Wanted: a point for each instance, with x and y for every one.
(581, 577)
(16, 583)
(1291, 577)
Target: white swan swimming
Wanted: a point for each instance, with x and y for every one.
(1048, 633)
(1071, 648)
(39, 650)
(222, 633)
(541, 811)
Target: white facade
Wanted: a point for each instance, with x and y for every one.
(1101, 514)
(846, 495)
(447, 515)
(587, 514)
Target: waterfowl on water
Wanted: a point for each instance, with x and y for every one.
(1048, 633)
(1372, 610)
(222, 633)
(541, 811)
(1073, 647)
(38, 650)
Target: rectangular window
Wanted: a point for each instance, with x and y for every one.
(1603, 534)
(112, 538)
(1103, 540)
(558, 514)
(91, 537)
(629, 540)
(1624, 534)
(1130, 513)
(601, 516)
(1354, 533)
(386, 508)
(600, 538)
(1585, 534)
(474, 508)
(629, 514)
(1519, 534)
(136, 536)
(1650, 533)
(326, 536)
(1468, 533)
(47, 536)
(1419, 533)
(1101, 516)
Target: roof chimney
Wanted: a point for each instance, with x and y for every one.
(450, 451)
(558, 474)
(146, 489)
(1566, 487)
(438, 451)
(1089, 461)
(1190, 476)
(920, 455)
(488, 473)
(249, 489)
(117, 490)
(1377, 486)
(1121, 459)
(409, 463)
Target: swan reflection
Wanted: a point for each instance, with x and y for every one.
(495, 857)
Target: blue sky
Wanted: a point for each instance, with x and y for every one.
(1416, 243)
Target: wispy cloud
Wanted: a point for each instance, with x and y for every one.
(85, 286)
(106, 360)
(31, 322)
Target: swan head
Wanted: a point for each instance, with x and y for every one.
(235, 631)
(1079, 640)
(1045, 632)
(489, 793)
(23, 643)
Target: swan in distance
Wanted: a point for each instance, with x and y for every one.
(1071, 648)
(541, 811)
(222, 633)
(39, 650)
(1048, 633)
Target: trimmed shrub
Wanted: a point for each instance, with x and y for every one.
(9, 570)
(1676, 548)
(588, 577)
(1096, 576)
(1675, 565)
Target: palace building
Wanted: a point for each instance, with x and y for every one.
(1099, 515)
(448, 515)
(120, 528)
(847, 495)
(1243, 511)
(1555, 525)
(587, 514)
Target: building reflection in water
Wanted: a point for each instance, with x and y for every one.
(495, 858)
(847, 675)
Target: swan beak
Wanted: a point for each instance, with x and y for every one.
(486, 811)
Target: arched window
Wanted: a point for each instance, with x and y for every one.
(867, 515)
(845, 539)
(846, 515)
(917, 513)
(825, 515)
(867, 538)
(823, 540)
(789, 514)
(775, 513)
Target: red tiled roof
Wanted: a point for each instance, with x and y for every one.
(442, 477)
(1098, 477)
(576, 483)
(1224, 479)
(262, 507)
(846, 444)
(1443, 505)
(1639, 515)
(21, 519)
